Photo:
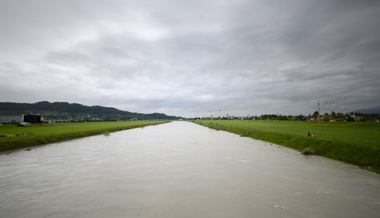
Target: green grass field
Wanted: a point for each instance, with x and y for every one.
(58, 128)
(365, 132)
(350, 142)
(21, 137)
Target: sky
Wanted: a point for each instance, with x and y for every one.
(184, 58)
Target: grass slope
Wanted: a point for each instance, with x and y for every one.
(49, 133)
(355, 143)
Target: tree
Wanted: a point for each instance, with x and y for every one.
(14, 122)
(350, 119)
(333, 114)
(326, 119)
(326, 114)
(340, 114)
(315, 114)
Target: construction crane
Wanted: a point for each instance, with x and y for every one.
(220, 112)
(319, 107)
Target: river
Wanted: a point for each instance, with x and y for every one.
(180, 169)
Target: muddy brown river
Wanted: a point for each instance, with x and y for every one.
(180, 169)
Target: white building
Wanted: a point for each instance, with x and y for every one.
(7, 119)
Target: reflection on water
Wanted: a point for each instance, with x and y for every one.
(181, 169)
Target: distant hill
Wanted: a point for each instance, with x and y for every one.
(374, 110)
(74, 111)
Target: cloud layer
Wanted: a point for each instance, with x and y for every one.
(186, 57)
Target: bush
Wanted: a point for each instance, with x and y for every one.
(14, 122)
(307, 151)
(350, 119)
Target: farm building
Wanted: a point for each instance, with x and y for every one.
(24, 118)
(32, 118)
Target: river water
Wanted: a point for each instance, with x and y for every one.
(180, 169)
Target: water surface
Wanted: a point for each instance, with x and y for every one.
(181, 169)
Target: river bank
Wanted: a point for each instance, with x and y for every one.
(23, 137)
(365, 155)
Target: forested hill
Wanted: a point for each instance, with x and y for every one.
(64, 110)
(374, 110)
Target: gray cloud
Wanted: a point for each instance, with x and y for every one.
(184, 58)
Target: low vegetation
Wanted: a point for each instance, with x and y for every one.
(16, 137)
(355, 143)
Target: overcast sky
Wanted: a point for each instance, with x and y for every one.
(184, 58)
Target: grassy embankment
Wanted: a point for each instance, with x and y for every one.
(355, 143)
(48, 133)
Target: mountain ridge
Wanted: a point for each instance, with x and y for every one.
(373, 110)
(75, 111)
